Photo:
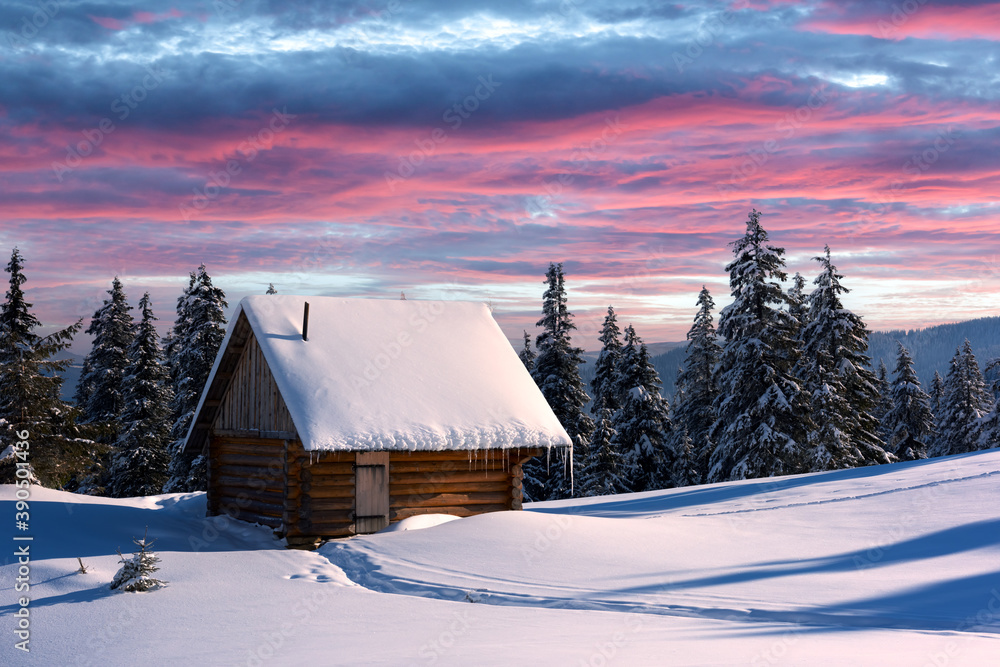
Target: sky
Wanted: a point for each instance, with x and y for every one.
(452, 150)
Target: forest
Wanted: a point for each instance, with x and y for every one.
(784, 384)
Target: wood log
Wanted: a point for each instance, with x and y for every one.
(275, 471)
(253, 517)
(333, 468)
(330, 504)
(325, 491)
(450, 477)
(328, 516)
(252, 484)
(450, 500)
(256, 506)
(331, 531)
(231, 492)
(229, 458)
(444, 467)
(430, 488)
(407, 512)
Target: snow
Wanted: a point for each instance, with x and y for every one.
(381, 374)
(420, 522)
(893, 564)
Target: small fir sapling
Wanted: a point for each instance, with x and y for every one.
(135, 573)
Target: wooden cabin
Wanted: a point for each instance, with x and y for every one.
(328, 417)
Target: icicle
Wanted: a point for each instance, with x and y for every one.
(571, 468)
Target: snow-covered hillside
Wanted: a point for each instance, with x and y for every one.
(889, 565)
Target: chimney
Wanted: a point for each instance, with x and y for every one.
(305, 322)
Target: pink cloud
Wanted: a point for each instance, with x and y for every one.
(927, 21)
(107, 22)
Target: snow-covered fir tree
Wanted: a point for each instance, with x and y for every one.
(686, 469)
(798, 301)
(762, 413)
(909, 422)
(527, 355)
(101, 384)
(966, 401)
(139, 460)
(695, 388)
(884, 403)
(835, 368)
(989, 436)
(936, 394)
(829, 441)
(136, 573)
(604, 385)
(30, 382)
(190, 350)
(642, 423)
(937, 397)
(602, 470)
(557, 374)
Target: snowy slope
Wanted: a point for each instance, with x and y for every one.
(891, 565)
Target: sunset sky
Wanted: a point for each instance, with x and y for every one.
(452, 150)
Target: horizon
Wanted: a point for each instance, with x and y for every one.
(452, 152)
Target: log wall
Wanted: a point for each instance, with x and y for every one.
(312, 495)
(320, 497)
(246, 479)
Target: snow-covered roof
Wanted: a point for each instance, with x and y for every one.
(396, 375)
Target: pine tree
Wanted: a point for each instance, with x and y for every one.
(835, 368)
(270, 289)
(989, 437)
(191, 349)
(884, 403)
(909, 422)
(557, 374)
(937, 397)
(762, 421)
(937, 409)
(696, 391)
(112, 329)
(603, 387)
(602, 471)
(84, 387)
(135, 574)
(527, 355)
(966, 402)
(642, 422)
(140, 460)
(686, 470)
(30, 383)
(798, 303)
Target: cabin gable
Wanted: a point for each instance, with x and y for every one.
(252, 403)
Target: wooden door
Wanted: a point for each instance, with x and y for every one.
(371, 492)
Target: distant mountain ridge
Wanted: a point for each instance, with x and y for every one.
(932, 349)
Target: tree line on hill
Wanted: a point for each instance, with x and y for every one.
(784, 385)
(133, 405)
